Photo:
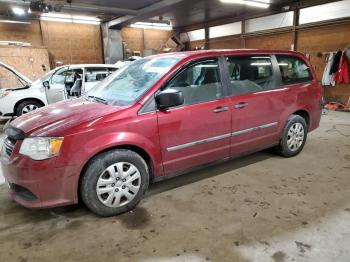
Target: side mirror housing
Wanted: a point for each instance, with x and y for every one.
(46, 84)
(169, 98)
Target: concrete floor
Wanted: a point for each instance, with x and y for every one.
(258, 208)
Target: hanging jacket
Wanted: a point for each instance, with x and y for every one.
(336, 61)
(327, 78)
(342, 75)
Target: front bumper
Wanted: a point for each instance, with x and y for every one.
(39, 184)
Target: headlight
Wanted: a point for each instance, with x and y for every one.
(40, 148)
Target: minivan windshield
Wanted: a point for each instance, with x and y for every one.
(45, 77)
(129, 83)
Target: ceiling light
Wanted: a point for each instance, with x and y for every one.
(14, 22)
(67, 18)
(18, 11)
(258, 3)
(152, 25)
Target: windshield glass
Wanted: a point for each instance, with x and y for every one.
(45, 77)
(129, 83)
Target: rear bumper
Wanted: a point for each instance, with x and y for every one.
(39, 184)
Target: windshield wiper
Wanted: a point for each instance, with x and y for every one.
(98, 99)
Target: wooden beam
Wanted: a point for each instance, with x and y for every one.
(294, 43)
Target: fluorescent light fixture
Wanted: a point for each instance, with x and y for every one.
(18, 11)
(260, 64)
(207, 66)
(67, 18)
(152, 25)
(259, 3)
(14, 22)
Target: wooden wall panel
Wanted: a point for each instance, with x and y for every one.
(72, 43)
(326, 39)
(281, 41)
(134, 38)
(138, 39)
(30, 61)
(196, 45)
(231, 42)
(323, 39)
(156, 39)
(22, 33)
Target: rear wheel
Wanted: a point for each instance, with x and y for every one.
(114, 182)
(294, 136)
(27, 106)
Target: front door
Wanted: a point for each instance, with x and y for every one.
(199, 131)
(56, 90)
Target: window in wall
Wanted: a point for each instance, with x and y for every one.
(293, 70)
(250, 74)
(199, 83)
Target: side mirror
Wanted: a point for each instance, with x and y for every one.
(169, 98)
(46, 84)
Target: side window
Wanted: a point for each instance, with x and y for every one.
(250, 74)
(293, 70)
(199, 82)
(96, 74)
(59, 76)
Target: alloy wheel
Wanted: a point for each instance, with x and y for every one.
(29, 108)
(295, 137)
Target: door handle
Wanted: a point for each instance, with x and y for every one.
(240, 105)
(220, 109)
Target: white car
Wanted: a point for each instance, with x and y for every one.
(60, 83)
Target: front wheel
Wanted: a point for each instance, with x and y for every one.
(114, 182)
(294, 136)
(27, 106)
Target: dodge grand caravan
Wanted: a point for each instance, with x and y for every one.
(158, 117)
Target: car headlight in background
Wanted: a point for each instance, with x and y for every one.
(40, 148)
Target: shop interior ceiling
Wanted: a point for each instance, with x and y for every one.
(181, 13)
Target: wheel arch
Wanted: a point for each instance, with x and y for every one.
(304, 114)
(142, 152)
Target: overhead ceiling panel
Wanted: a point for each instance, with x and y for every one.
(125, 4)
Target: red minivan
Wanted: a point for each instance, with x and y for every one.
(158, 117)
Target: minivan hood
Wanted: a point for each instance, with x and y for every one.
(18, 74)
(54, 119)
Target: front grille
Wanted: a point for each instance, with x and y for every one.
(9, 145)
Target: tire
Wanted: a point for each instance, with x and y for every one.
(105, 187)
(294, 136)
(27, 106)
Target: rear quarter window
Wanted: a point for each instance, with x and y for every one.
(293, 70)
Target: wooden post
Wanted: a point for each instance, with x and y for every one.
(294, 43)
(243, 34)
(206, 41)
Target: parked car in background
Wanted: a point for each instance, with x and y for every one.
(158, 117)
(60, 83)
